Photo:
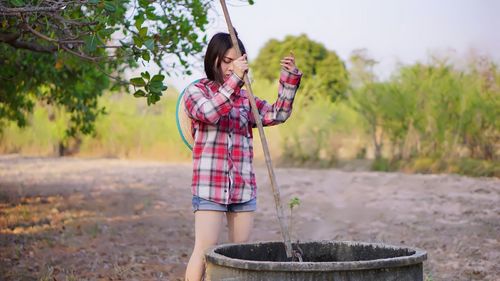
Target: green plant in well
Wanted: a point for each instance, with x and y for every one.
(292, 204)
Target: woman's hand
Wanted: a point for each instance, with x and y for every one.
(240, 66)
(288, 64)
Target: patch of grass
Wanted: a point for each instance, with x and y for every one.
(423, 165)
(121, 272)
(94, 230)
(51, 273)
(71, 277)
(48, 275)
(147, 202)
(49, 241)
(5, 197)
(383, 165)
(130, 130)
(478, 168)
(25, 213)
(462, 166)
(18, 251)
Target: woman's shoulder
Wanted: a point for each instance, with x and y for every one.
(197, 85)
(199, 82)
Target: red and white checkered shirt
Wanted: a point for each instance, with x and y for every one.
(222, 124)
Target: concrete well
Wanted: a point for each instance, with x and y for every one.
(322, 260)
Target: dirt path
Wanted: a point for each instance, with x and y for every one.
(100, 219)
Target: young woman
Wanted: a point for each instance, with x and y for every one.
(223, 178)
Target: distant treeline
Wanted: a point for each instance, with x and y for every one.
(438, 116)
(433, 117)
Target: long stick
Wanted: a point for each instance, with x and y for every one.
(276, 192)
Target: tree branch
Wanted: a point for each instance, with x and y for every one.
(38, 34)
(9, 37)
(12, 39)
(51, 7)
(116, 78)
(4, 11)
(72, 22)
(33, 47)
(83, 56)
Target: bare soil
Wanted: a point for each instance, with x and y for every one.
(108, 219)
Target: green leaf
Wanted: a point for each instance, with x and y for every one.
(90, 43)
(139, 20)
(139, 94)
(124, 44)
(294, 202)
(106, 32)
(146, 56)
(137, 41)
(99, 40)
(110, 7)
(143, 32)
(145, 75)
(138, 81)
(153, 98)
(93, 2)
(150, 13)
(158, 77)
(143, 3)
(156, 86)
(150, 44)
(17, 3)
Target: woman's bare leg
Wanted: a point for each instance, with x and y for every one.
(240, 226)
(207, 228)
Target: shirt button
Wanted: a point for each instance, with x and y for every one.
(225, 190)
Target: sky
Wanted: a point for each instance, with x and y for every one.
(393, 31)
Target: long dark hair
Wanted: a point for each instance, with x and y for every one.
(217, 48)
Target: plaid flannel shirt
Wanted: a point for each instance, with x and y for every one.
(222, 123)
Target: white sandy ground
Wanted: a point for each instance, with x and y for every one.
(130, 220)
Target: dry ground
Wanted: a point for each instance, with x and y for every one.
(104, 219)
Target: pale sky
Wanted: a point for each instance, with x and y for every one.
(392, 31)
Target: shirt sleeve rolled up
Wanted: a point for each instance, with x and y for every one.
(207, 109)
(272, 114)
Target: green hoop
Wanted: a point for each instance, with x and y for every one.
(180, 107)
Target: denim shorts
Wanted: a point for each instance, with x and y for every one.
(200, 204)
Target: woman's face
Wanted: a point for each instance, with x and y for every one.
(227, 63)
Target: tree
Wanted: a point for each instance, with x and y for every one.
(67, 52)
(67, 81)
(479, 127)
(323, 84)
(326, 75)
(434, 110)
(366, 96)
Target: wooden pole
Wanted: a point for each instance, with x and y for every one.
(276, 192)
